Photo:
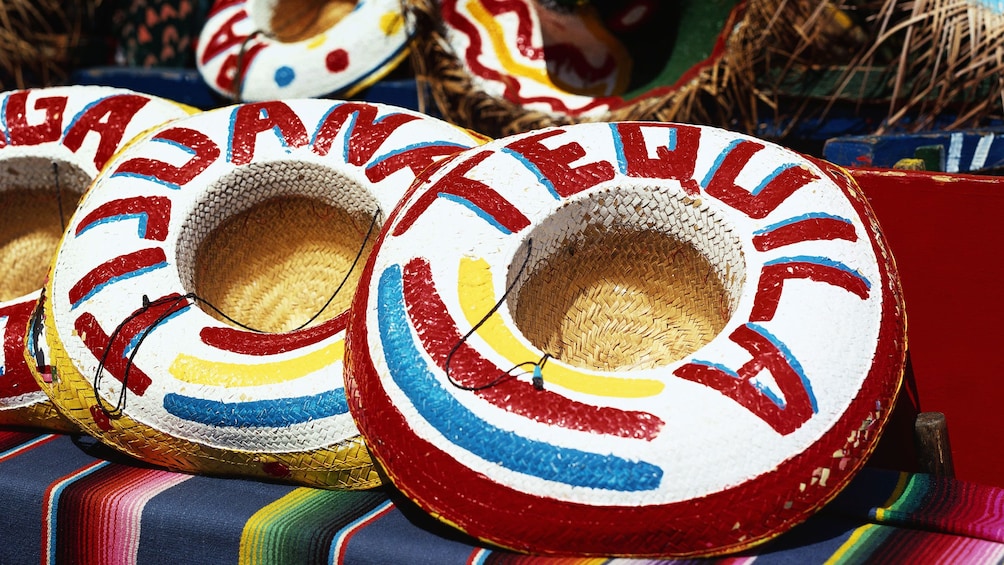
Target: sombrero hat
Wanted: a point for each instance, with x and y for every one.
(514, 66)
(271, 49)
(642, 338)
(202, 330)
(53, 142)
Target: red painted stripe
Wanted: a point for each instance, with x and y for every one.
(512, 87)
(99, 342)
(16, 378)
(121, 265)
(156, 208)
(256, 343)
(772, 279)
(813, 229)
(438, 334)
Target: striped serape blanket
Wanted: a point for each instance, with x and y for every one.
(69, 500)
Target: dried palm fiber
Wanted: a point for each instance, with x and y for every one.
(942, 57)
(914, 65)
(675, 83)
(55, 140)
(41, 41)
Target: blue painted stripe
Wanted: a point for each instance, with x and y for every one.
(766, 391)
(718, 162)
(821, 261)
(142, 218)
(83, 111)
(619, 149)
(191, 151)
(541, 177)
(792, 361)
(469, 432)
(3, 119)
(474, 208)
(350, 126)
(277, 413)
(113, 280)
(412, 147)
(139, 335)
(150, 178)
(728, 371)
(802, 218)
(770, 178)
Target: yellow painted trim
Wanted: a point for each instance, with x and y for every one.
(477, 296)
(503, 52)
(194, 370)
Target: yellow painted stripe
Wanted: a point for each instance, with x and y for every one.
(317, 41)
(502, 51)
(253, 539)
(848, 546)
(194, 370)
(477, 297)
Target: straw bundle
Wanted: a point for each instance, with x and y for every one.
(42, 40)
(948, 57)
(913, 64)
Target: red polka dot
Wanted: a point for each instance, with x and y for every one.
(337, 60)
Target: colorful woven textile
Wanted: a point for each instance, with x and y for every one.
(67, 500)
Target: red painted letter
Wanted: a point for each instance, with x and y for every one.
(553, 164)
(108, 118)
(763, 200)
(488, 204)
(252, 119)
(675, 160)
(154, 213)
(365, 134)
(204, 150)
(21, 133)
(786, 417)
(768, 293)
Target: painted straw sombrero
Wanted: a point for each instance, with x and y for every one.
(504, 67)
(203, 328)
(630, 338)
(271, 49)
(53, 142)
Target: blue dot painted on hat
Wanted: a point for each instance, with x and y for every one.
(284, 75)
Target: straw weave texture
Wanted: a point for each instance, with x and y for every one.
(623, 300)
(275, 265)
